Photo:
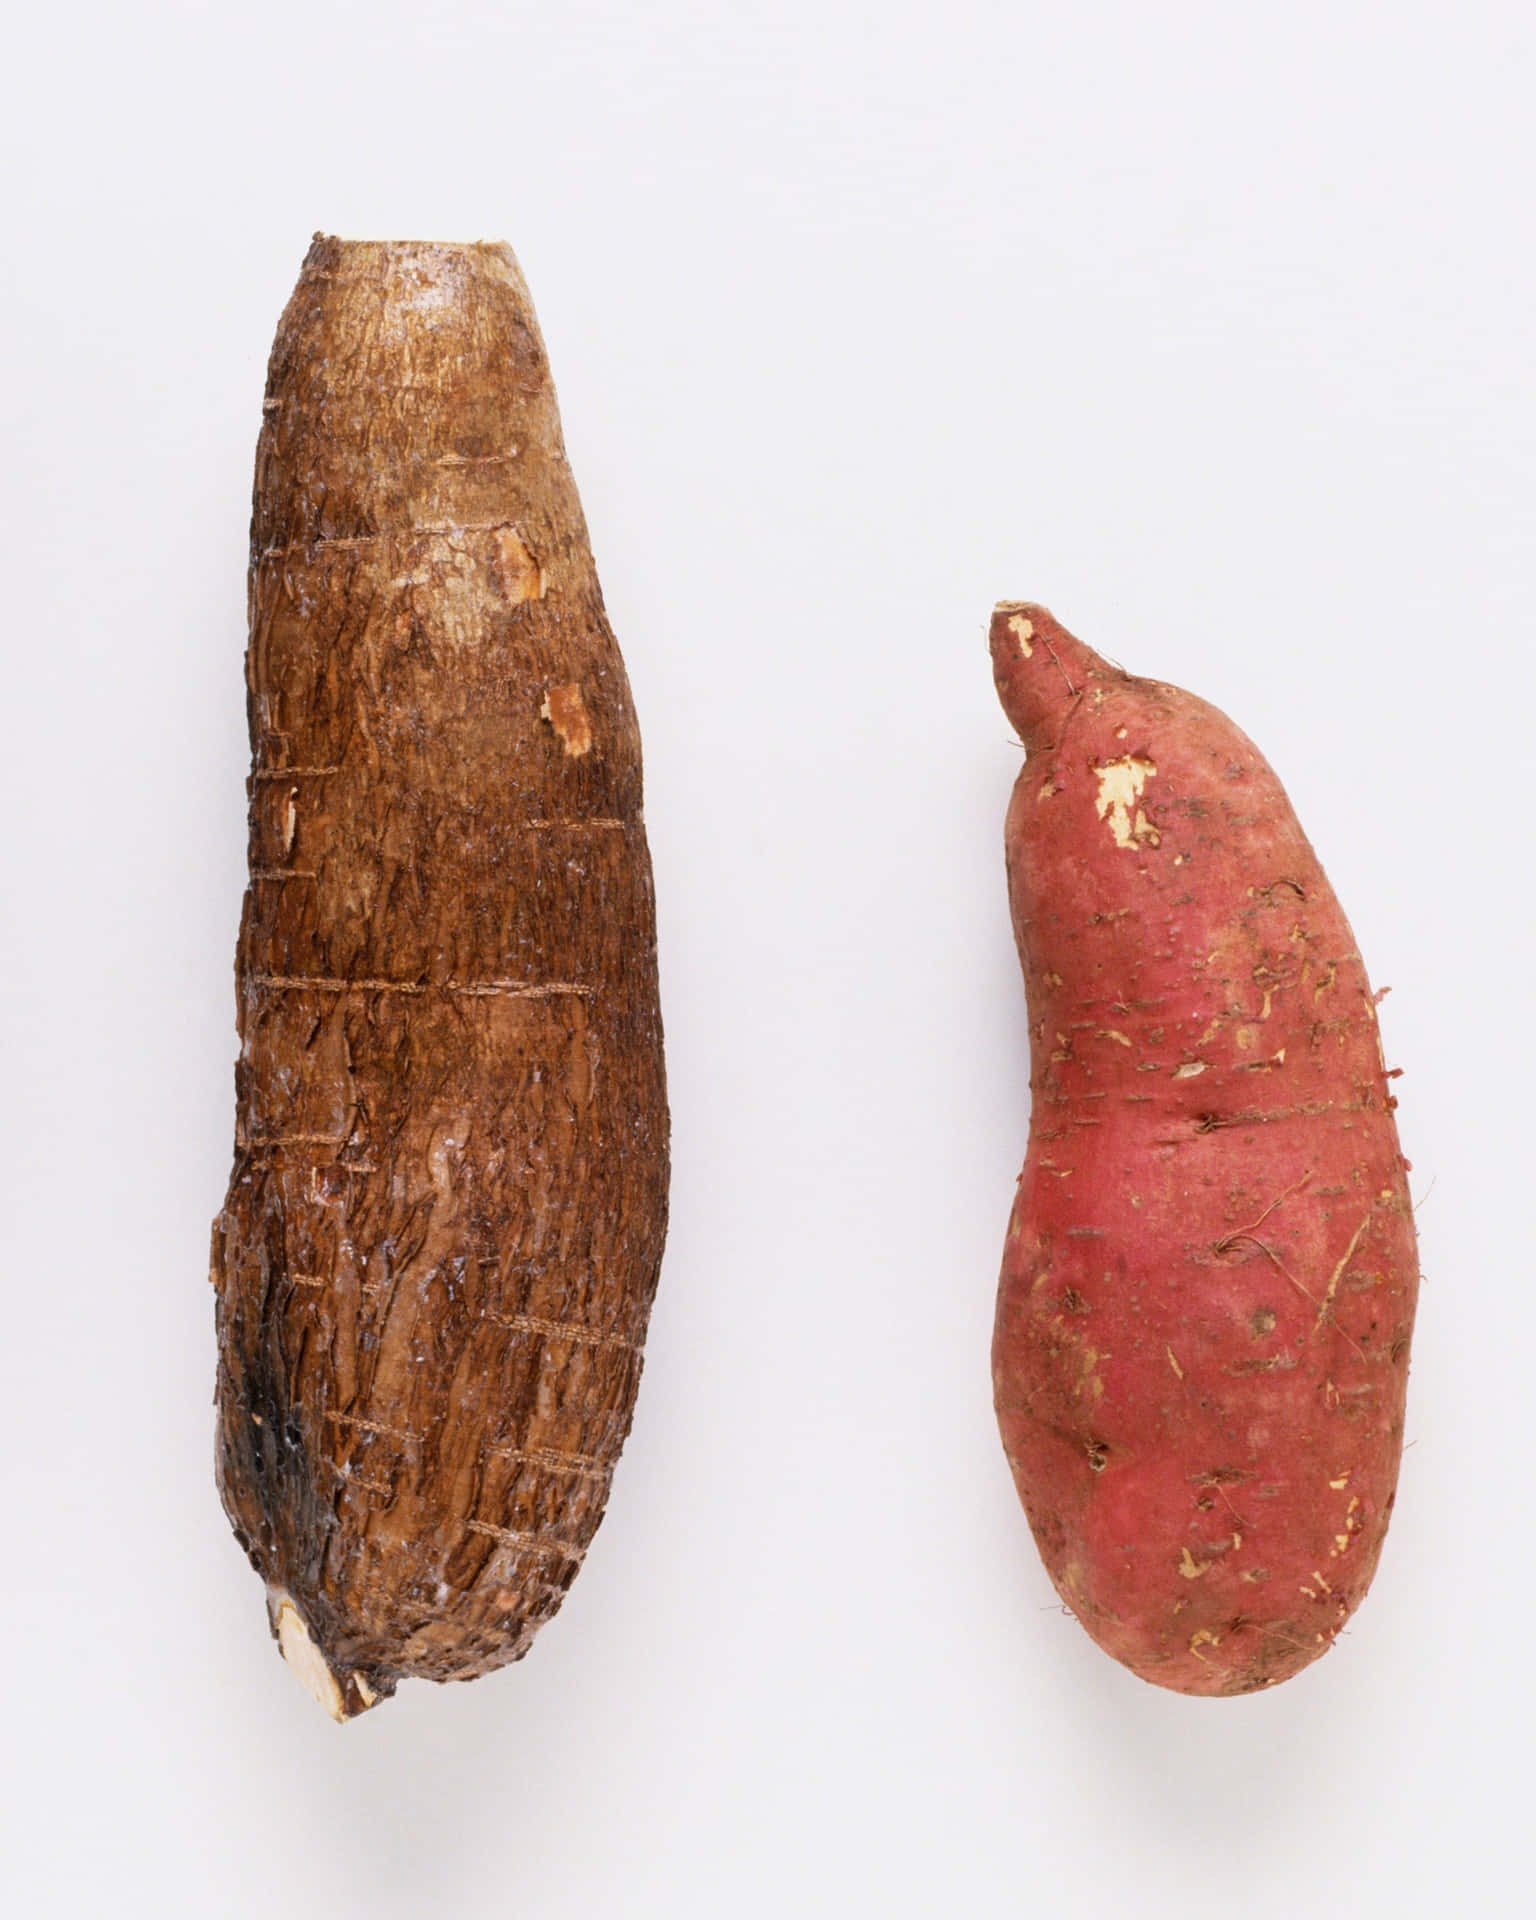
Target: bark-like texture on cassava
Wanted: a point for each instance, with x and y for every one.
(443, 1227)
(1209, 1280)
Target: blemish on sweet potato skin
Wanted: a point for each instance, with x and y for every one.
(1214, 1514)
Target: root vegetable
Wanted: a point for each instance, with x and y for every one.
(1208, 1286)
(445, 1217)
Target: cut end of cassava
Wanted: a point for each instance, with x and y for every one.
(367, 240)
(342, 1695)
(1040, 669)
(307, 1661)
(422, 278)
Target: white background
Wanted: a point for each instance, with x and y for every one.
(1211, 325)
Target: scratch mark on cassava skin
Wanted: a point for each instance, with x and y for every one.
(372, 1426)
(534, 1542)
(564, 1330)
(292, 773)
(617, 826)
(370, 1486)
(566, 712)
(1174, 1363)
(254, 1140)
(327, 983)
(1190, 1070)
(581, 1466)
(402, 535)
(1190, 1567)
(518, 990)
(1024, 632)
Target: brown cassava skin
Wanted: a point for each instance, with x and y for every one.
(1208, 1286)
(445, 1218)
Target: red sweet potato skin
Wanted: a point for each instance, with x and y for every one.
(1208, 1286)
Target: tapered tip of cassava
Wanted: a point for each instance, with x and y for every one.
(1040, 669)
(343, 1695)
(409, 394)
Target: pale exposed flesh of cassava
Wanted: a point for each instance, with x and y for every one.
(445, 1217)
(1208, 1285)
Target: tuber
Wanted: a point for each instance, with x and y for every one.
(1208, 1285)
(445, 1216)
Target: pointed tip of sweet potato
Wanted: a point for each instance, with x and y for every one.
(1040, 669)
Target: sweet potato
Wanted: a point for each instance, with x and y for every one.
(445, 1217)
(1208, 1286)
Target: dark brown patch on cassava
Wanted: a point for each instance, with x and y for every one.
(445, 1217)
